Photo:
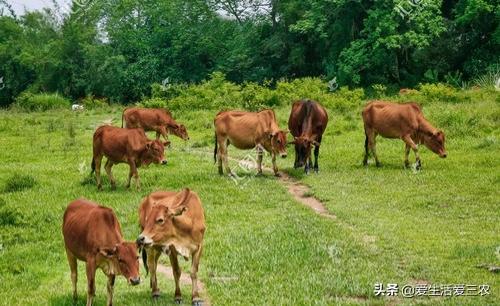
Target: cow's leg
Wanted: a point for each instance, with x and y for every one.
(90, 269)
(372, 145)
(97, 161)
(223, 155)
(176, 270)
(407, 153)
(196, 300)
(409, 142)
(133, 172)
(260, 154)
(316, 154)
(163, 132)
(110, 286)
(153, 255)
(275, 167)
(73, 266)
(108, 166)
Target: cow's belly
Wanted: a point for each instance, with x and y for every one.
(243, 144)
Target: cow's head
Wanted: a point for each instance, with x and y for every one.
(180, 131)
(124, 260)
(278, 142)
(155, 152)
(303, 147)
(159, 227)
(435, 143)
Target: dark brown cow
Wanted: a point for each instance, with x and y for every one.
(124, 146)
(405, 121)
(247, 130)
(172, 222)
(92, 234)
(307, 123)
(154, 119)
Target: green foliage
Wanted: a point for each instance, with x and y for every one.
(443, 93)
(91, 102)
(41, 102)
(19, 182)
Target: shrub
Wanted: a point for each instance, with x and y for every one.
(19, 182)
(8, 216)
(443, 93)
(91, 102)
(41, 102)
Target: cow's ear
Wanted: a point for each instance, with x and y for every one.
(108, 252)
(149, 145)
(314, 142)
(179, 205)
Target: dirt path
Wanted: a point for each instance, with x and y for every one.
(185, 281)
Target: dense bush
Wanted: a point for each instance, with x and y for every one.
(41, 102)
(91, 102)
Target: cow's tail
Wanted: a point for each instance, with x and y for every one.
(215, 150)
(145, 260)
(123, 115)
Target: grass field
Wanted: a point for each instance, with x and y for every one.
(262, 247)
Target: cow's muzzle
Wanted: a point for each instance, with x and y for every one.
(135, 280)
(143, 240)
(443, 154)
(164, 162)
(283, 155)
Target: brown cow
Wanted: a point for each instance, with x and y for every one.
(124, 146)
(172, 222)
(92, 234)
(154, 119)
(247, 130)
(307, 123)
(405, 121)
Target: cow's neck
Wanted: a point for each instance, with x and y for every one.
(424, 128)
(307, 128)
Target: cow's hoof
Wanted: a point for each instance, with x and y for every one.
(113, 187)
(197, 303)
(99, 188)
(178, 300)
(407, 164)
(378, 165)
(277, 174)
(418, 165)
(316, 170)
(259, 174)
(156, 294)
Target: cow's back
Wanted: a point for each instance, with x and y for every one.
(305, 110)
(391, 120)
(118, 143)
(146, 118)
(243, 128)
(86, 226)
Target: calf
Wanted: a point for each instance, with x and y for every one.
(405, 121)
(92, 234)
(246, 130)
(172, 222)
(124, 146)
(307, 123)
(154, 119)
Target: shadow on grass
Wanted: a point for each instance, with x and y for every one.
(119, 298)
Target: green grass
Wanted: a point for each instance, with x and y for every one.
(262, 247)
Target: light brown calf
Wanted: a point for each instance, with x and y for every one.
(154, 119)
(247, 130)
(405, 121)
(92, 234)
(129, 146)
(172, 222)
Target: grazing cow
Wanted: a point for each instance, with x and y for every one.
(124, 146)
(92, 234)
(174, 223)
(405, 121)
(247, 130)
(154, 119)
(307, 123)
